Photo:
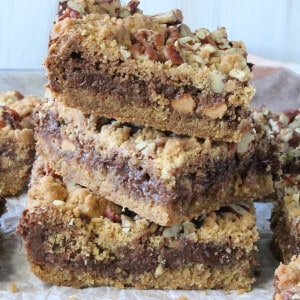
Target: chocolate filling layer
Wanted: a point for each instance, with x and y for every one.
(79, 74)
(289, 245)
(8, 149)
(134, 259)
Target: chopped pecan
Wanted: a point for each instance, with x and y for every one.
(291, 114)
(150, 37)
(216, 111)
(132, 6)
(184, 104)
(172, 54)
(173, 32)
(142, 52)
(110, 214)
(172, 17)
(70, 13)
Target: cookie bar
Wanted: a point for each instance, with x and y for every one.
(285, 220)
(284, 131)
(287, 280)
(76, 238)
(118, 63)
(162, 176)
(17, 146)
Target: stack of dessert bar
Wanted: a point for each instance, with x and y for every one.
(148, 157)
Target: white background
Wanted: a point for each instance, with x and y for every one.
(269, 28)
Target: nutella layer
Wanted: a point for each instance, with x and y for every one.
(164, 177)
(283, 129)
(76, 238)
(287, 280)
(17, 145)
(115, 62)
(285, 220)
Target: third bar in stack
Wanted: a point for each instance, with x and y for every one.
(156, 119)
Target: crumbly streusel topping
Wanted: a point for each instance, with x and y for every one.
(16, 110)
(123, 32)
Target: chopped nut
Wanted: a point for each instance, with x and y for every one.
(153, 227)
(283, 118)
(184, 104)
(76, 6)
(172, 54)
(241, 75)
(172, 17)
(125, 53)
(216, 79)
(215, 112)
(243, 145)
(112, 215)
(185, 30)
(67, 146)
(159, 271)
(171, 231)
(173, 33)
(132, 6)
(202, 33)
(127, 222)
(70, 13)
(58, 203)
(112, 7)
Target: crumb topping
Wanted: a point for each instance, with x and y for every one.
(122, 33)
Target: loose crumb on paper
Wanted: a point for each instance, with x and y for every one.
(13, 288)
(182, 298)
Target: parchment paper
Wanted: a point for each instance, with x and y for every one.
(277, 87)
